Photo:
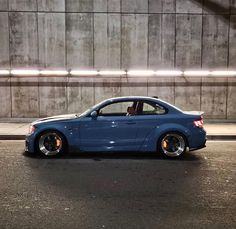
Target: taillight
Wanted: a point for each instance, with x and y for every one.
(198, 123)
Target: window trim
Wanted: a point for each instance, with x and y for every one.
(152, 103)
(115, 113)
(137, 101)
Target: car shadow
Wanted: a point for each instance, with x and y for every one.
(100, 156)
(116, 182)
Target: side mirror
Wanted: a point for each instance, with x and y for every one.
(94, 114)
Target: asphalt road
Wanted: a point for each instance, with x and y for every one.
(118, 190)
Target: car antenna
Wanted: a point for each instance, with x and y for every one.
(156, 97)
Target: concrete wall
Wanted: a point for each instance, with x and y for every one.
(49, 95)
(116, 34)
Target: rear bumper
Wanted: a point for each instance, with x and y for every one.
(199, 147)
(198, 139)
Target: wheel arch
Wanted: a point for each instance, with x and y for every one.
(51, 130)
(172, 131)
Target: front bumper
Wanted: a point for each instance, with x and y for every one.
(29, 143)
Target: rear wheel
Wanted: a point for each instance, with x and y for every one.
(172, 144)
(51, 143)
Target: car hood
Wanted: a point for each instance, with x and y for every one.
(56, 118)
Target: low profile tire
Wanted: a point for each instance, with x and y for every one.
(172, 144)
(51, 143)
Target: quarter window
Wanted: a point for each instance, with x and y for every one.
(153, 109)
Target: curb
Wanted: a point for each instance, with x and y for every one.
(213, 137)
(12, 137)
(221, 137)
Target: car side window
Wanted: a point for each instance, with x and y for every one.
(115, 109)
(152, 109)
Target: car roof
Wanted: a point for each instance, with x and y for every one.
(132, 98)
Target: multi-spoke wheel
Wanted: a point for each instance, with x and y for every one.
(172, 144)
(51, 143)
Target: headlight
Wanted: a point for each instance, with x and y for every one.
(31, 129)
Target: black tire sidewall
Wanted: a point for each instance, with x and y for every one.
(159, 148)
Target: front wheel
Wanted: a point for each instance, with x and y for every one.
(172, 144)
(51, 143)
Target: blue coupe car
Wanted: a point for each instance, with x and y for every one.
(123, 124)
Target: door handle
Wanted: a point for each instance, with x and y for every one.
(131, 123)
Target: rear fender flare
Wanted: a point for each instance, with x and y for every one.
(151, 141)
(172, 127)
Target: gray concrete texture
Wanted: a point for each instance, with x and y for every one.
(116, 34)
(24, 97)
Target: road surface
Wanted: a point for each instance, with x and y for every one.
(118, 190)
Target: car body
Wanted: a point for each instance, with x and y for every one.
(131, 123)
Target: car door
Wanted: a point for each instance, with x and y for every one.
(149, 117)
(111, 130)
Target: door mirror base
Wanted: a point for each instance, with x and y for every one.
(94, 114)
